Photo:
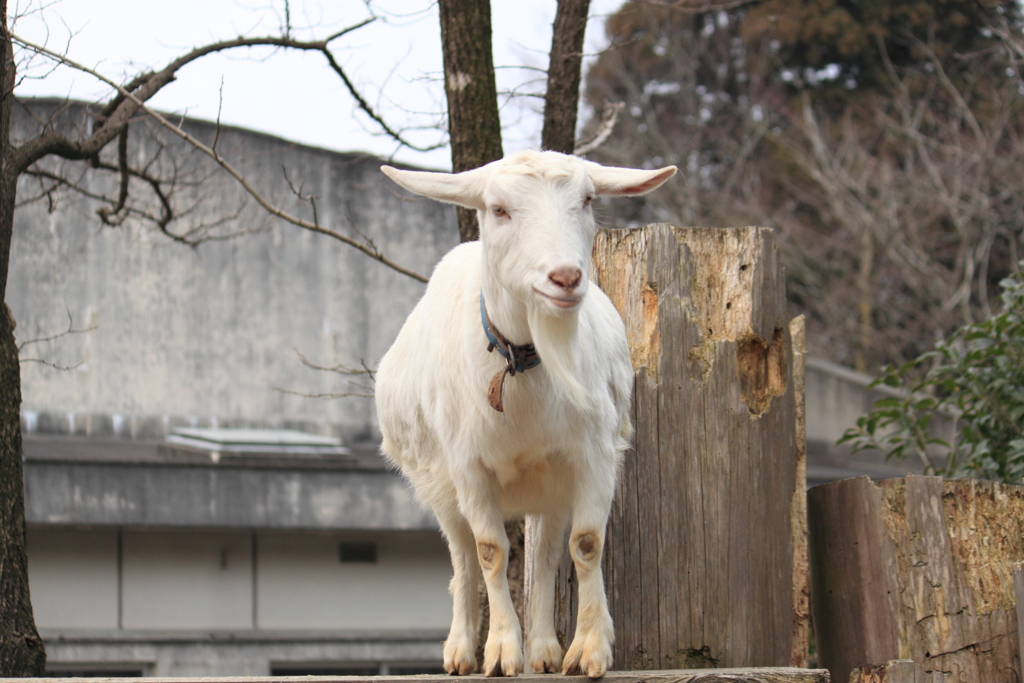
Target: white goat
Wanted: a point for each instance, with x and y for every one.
(545, 443)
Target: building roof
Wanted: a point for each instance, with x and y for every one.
(83, 481)
(245, 450)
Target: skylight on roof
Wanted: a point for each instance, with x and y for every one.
(256, 441)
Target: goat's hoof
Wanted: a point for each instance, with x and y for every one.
(459, 659)
(590, 655)
(460, 668)
(545, 655)
(503, 655)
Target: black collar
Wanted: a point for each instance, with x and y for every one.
(518, 357)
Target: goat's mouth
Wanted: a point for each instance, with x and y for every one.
(563, 301)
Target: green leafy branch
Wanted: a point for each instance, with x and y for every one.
(975, 379)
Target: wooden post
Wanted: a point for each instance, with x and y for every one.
(699, 558)
(773, 675)
(917, 568)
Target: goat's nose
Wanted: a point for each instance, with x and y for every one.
(566, 277)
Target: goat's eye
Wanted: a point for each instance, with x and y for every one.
(586, 200)
(499, 211)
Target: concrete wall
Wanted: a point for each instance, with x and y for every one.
(73, 576)
(251, 654)
(204, 335)
(836, 396)
(235, 603)
(302, 585)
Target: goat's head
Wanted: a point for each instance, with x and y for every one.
(537, 233)
(536, 223)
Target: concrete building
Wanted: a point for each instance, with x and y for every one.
(159, 558)
(250, 558)
(182, 336)
(161, 542)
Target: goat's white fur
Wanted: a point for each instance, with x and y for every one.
(554, 452)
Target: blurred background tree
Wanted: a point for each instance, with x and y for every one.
(880, 138)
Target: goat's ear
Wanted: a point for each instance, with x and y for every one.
(626, 182)
(464, 189)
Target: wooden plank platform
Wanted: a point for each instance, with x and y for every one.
(745, 675)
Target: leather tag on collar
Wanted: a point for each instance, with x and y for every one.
(495, 388)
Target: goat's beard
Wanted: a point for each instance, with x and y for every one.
(554, 337)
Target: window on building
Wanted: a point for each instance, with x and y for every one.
(95, 670)
(355, 668)
(359, 552)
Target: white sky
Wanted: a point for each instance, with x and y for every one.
(395, 61)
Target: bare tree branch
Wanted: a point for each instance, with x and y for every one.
(609, 117)
(327, 396)
(163, 188)
(338, 368)
(54, 337)
(365, 106)
(106, 213)
(138, 105)
(122, 107)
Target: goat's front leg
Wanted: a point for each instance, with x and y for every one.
(460, 647)
(478, 501)
(591, 648)
(544, 650)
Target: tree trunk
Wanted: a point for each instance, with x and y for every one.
(565, 61)
(917, 568)
(474, 126)
(699, 556)
(864, 328)
(21, 648)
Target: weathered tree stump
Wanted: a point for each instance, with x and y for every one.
(699, 556)
(1018, 590)
(799, 654)
(897, 671)
(917, 568)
